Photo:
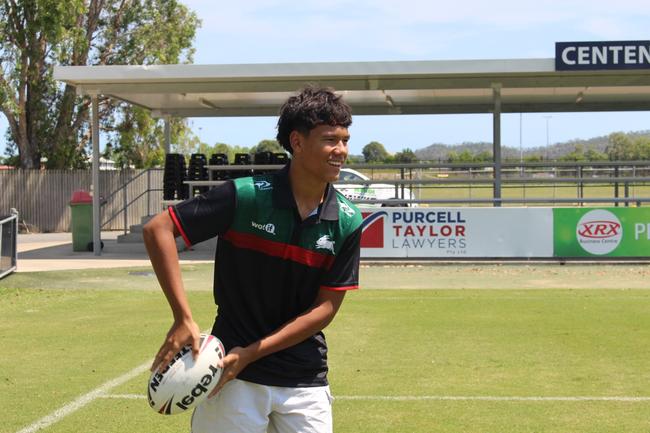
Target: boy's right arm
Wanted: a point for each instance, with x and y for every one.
(160, 240)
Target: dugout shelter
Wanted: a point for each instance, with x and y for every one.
(371, 88)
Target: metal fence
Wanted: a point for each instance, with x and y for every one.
(603, 183)
(42, 196)
(8, 243)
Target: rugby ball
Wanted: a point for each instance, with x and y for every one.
(185, 382)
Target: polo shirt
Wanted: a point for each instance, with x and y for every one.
(270, 265)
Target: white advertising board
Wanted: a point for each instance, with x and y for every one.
(457, 232)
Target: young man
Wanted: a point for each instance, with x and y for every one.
(287, 252)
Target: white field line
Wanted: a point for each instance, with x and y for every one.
(99, 392)
(125, 396)
(487, 398)
(85, 399)
(445, 398)
(102, 392)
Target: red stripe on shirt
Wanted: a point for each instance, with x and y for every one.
(339, 289)
(177, 223)
(279, 249)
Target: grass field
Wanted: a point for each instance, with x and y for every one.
(530, 191)
(466, 191)
(420, 349)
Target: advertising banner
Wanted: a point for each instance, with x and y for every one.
(602, 232)
(457, 232)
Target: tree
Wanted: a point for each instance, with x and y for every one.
(406, 156)
(225, 149)
(464, 156)
(11, 161)
(452, 156)
(484, 156)
(47, 119)
(272, 146)
(620, 148)
(230, 151)
(184, 141)
(643, 148)
(578, 154)
(136, 143)
(355, 159)
(374, 152)
(594, 155)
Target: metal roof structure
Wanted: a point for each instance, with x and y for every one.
(404, 87)
(371, 88)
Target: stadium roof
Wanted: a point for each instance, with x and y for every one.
(404, 87)
(426, 87)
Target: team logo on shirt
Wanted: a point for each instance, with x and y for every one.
(346, 209)
(325, 243)
(263, 185)
(269, 228)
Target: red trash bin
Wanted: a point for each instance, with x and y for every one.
(81, 224)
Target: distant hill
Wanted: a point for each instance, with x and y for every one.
(440, 152)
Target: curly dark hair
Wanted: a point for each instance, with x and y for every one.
(313, 106)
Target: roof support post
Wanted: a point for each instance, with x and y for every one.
(168, 135)
(496, 140)
(97, 243)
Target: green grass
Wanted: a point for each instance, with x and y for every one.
(529, 191)
(121, 279)
(466, 191)
(65, 333)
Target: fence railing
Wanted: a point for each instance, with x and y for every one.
(8, 243)
(475, 183)
(42, 196)
(128, 202)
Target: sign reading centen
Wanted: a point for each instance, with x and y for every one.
(602, 55)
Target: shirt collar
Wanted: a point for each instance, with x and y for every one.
(283, 196)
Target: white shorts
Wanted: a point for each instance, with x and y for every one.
(245, 407)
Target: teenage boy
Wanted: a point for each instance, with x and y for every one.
(287, 252)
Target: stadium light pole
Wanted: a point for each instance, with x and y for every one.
(521, 140)
(547, 135)
(496, 144)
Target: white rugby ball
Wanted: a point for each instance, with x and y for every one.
(185, 382)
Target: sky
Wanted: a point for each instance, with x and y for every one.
(281, 31)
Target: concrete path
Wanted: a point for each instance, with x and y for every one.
(53, 251)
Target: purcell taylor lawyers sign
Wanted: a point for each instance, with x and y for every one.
(581, 56)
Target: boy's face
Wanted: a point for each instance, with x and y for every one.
(322, 151)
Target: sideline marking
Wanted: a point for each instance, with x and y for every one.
(486, 398)
(85, 399)
(99, 392)
(445, 398)
(124, 396)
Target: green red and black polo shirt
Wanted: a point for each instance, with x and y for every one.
(270, 265)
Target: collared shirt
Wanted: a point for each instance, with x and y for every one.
(270, 265)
